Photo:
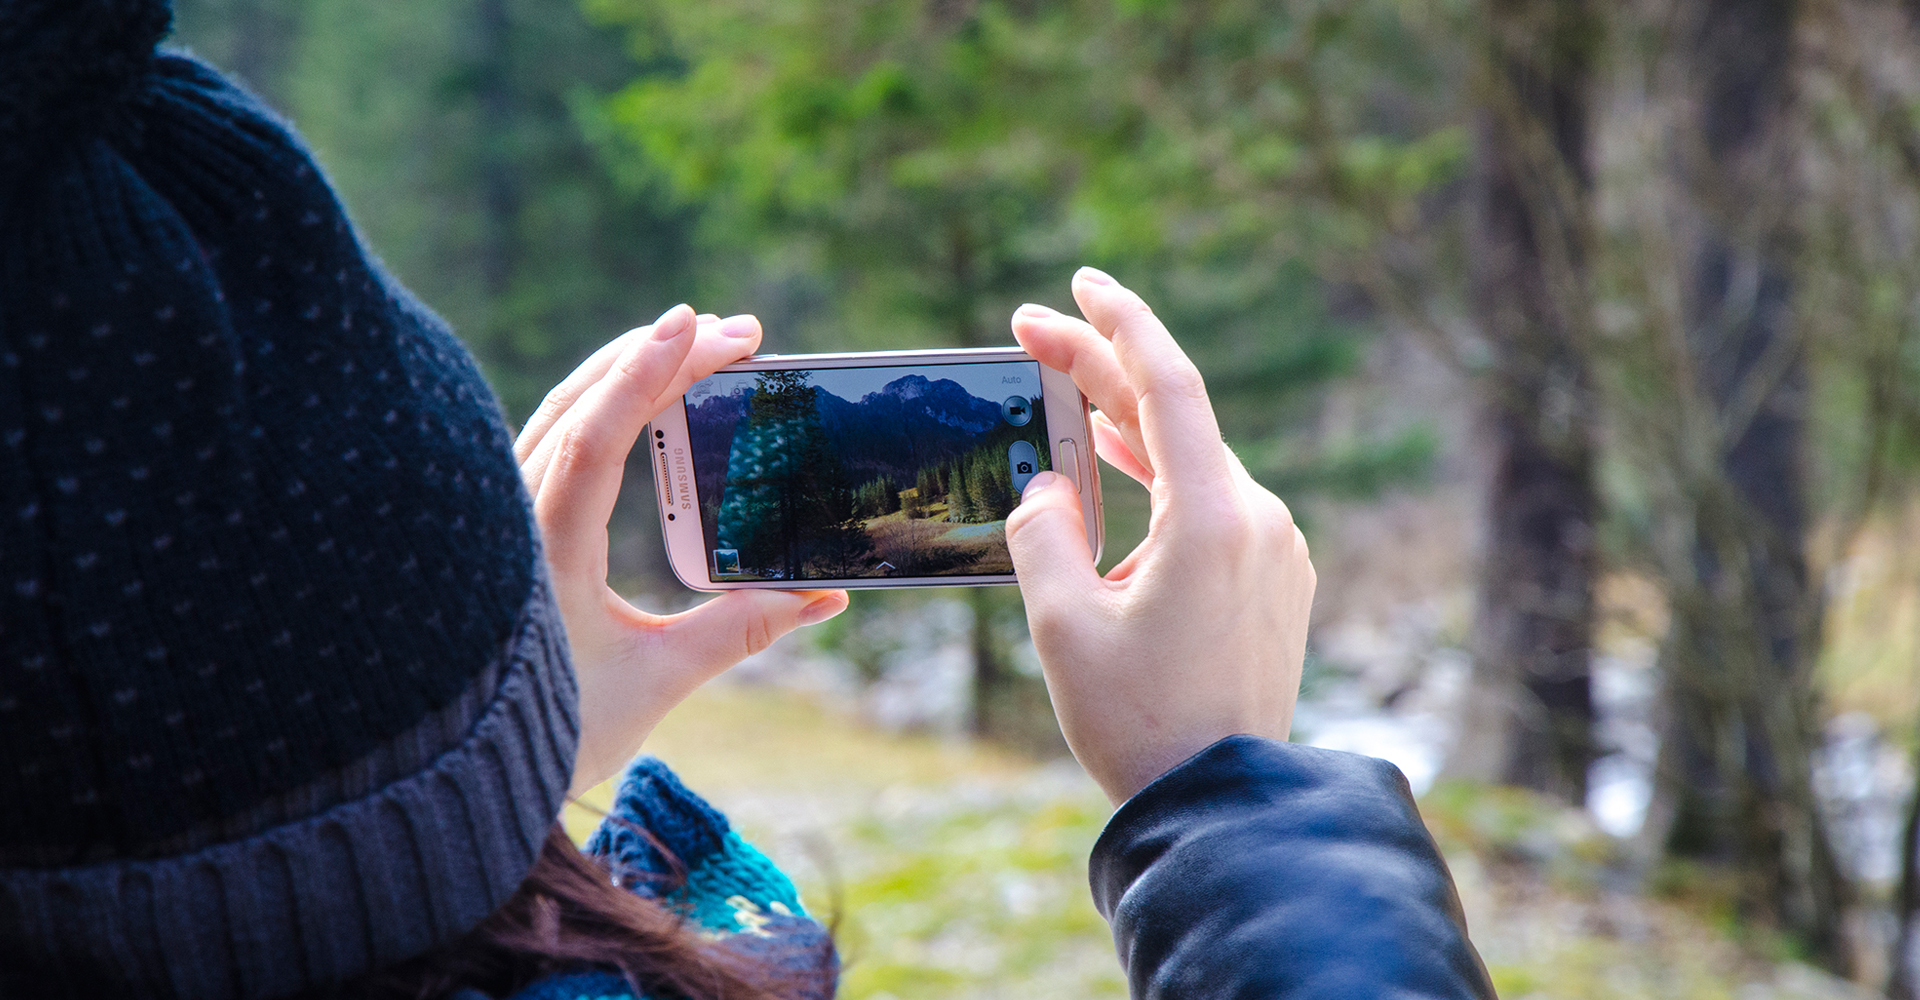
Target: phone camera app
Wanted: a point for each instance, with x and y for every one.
(881, 471)
(1023, 462)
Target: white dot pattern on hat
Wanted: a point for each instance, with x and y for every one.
(259, 512)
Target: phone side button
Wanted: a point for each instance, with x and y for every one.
(1070, 461)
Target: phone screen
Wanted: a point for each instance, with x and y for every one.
(844, 473)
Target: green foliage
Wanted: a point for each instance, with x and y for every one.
(1308, 129)
(878, 497)
(877, 174)
(887, 155)
(913, 503)
(960, 505)
(1353, 471)
(989, 484)
(454, 131)
(867, 174)
(864, 174)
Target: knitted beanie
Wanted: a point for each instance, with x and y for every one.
(284, 696)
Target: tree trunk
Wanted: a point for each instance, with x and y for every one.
(1739, 712)
(1529, 720)
(1903, 981)
(499, 192)
(991, 676)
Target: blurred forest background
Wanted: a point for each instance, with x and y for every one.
(1584, 337)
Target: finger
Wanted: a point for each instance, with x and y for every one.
(714, 345)
(563, 395)
(1047, 535)
(706, 640)
(577, 482)
(1070, 344)
(1111, 446)
(587, 449)
(1177, 424)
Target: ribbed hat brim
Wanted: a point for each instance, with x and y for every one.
(372, 881)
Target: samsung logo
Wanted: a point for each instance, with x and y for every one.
(682, 479)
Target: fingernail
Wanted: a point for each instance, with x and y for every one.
(1036, 309)
(739, 326)
(821, 610)
(1095, 275)
(706, 318)
(1039, 484)
(673, 323)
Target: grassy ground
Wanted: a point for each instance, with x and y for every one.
(954, 871)
(1556, 913)
(933, 544)
(959, 872)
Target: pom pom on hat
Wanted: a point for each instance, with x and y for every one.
(60, 59)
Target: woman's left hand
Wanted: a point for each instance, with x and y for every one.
(632, 665)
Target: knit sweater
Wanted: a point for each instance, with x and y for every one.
(721, 884)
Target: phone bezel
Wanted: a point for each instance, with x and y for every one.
(673, 468)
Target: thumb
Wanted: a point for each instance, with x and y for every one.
(739, 623)
(1047, 535)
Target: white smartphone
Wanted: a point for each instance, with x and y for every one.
(889, 469)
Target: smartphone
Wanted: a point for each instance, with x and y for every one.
(888, 469)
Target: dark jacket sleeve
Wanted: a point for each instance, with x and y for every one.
(1267, 869)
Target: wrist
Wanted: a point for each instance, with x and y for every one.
(1143, 768)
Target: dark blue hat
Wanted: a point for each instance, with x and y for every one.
(283, 693)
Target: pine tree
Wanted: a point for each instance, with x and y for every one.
(998, 494)
(781, 475)
(959, 505)
(843, 545)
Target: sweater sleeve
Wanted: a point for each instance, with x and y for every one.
(1267, 869)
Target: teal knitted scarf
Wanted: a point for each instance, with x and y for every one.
(721, 884)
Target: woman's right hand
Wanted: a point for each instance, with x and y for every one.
(1201, 631)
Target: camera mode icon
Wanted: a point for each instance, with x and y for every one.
(1024, 462)
(1016, 410)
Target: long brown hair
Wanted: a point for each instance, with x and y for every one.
(570, 915)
